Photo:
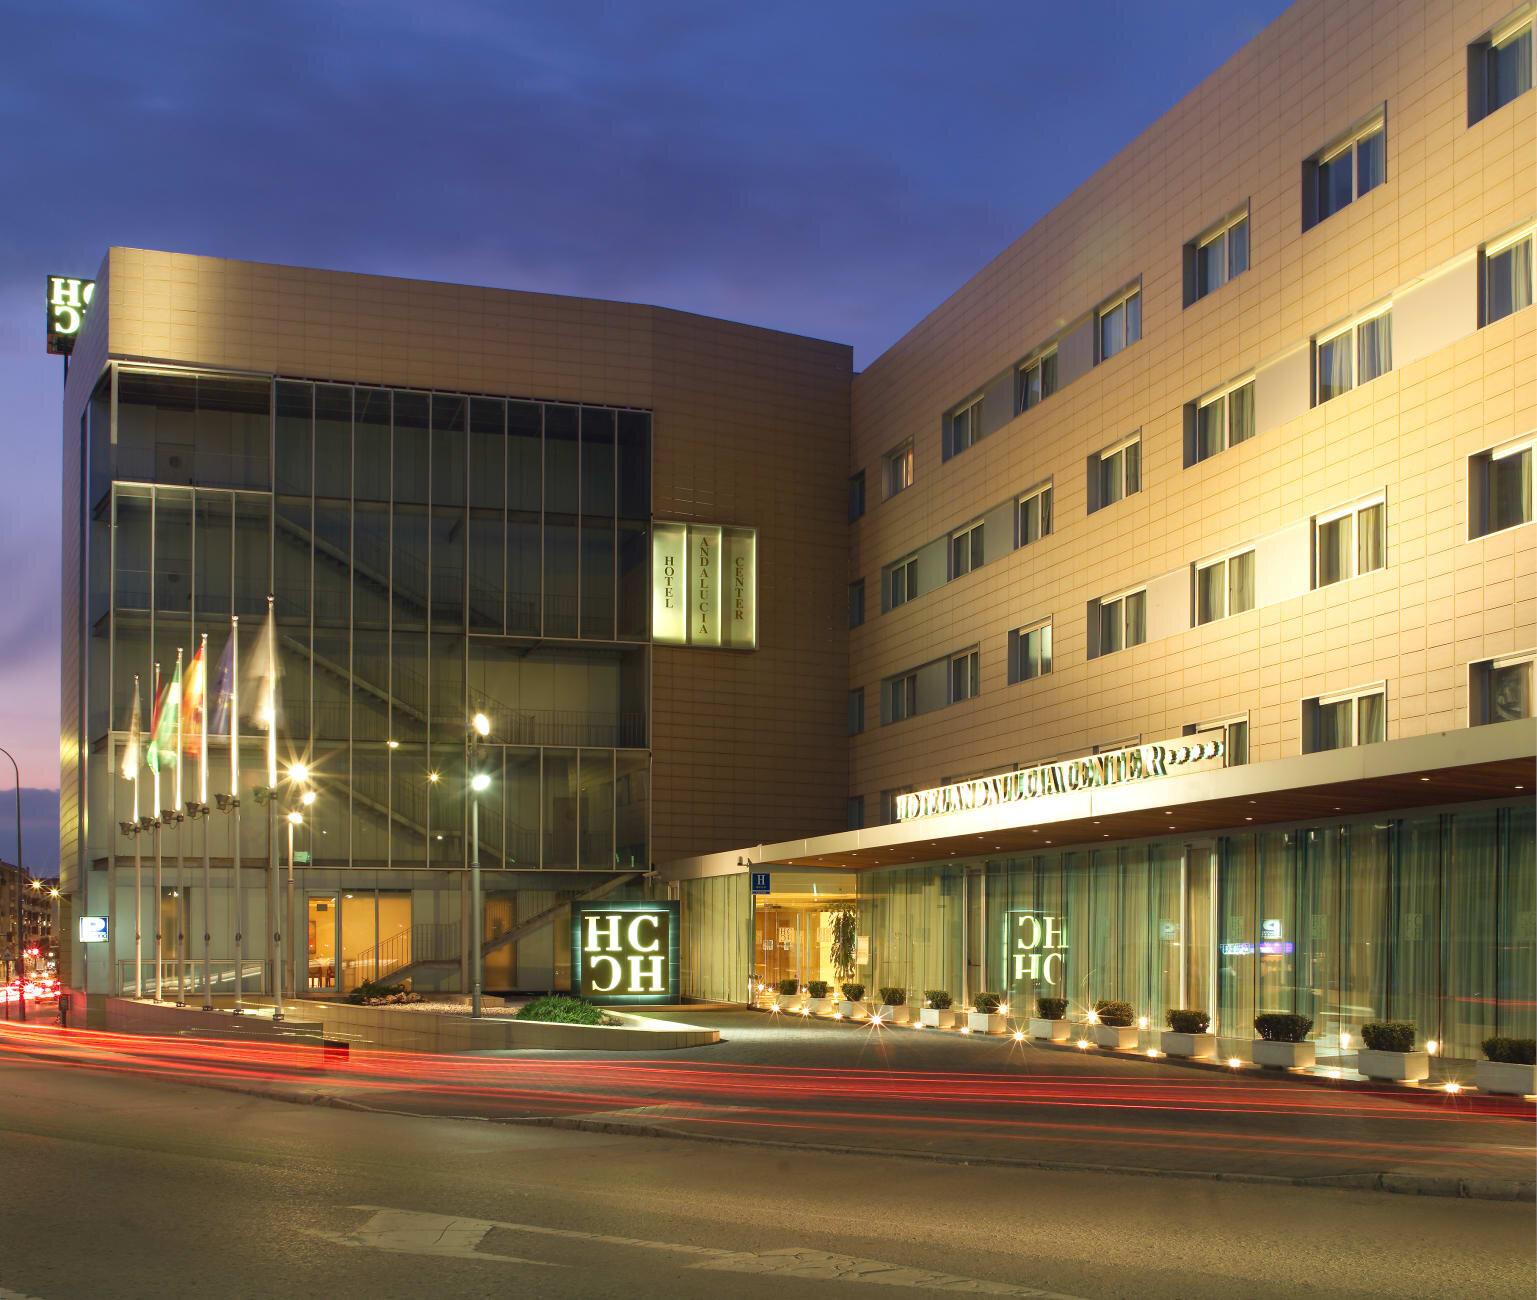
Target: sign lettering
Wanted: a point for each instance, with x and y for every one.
(67, 298)
(1039, 947)
(625, 952)
(704, 585)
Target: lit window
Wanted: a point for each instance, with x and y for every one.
(1499, 68)
(1122, 621)
(1354, 355)
(1337, 176)
(1034, 515)
(901, 583)
(856, 711)
(1030, 652)
(1500, 690)
(1223, 421)
(1116, 473)
(1217, 256)
(965, 427)
(1507, 277)
(1349, 542)
(966, 551)
(1120, 324)
(901, 697)
(856, 602)
(1501, 495)
(1037, 380)
(965, 676)
(856, 496)
(899, 469)
(1341, 721)
(1224, 587)
(1232, 732)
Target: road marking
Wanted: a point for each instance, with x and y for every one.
(14, 1295)
(414, 1232)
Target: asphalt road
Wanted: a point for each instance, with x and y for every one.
(124, 1186)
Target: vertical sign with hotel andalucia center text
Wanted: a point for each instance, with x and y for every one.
(704, 585)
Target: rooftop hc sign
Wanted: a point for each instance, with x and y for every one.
(67, 299)
(625, 952)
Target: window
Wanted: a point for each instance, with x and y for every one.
(899, 469)
(1037, 380)
(1115, 473)
(1122, 622)
(856, 496)
(1337, 176)
(901, 583)
(856, 711)
(889, 802)
(1340, 721)
(856, 812)
(1499, 67)
(965, 427)
(1034, 515)
(1223, 421)
(1216, 257)
(966, 551)
(1120, 324)
(1354, 355)
(965, 676)
(856, 602)
(1507, 277)
(1234, 734)
(1030, 652)
(1349, 542)
(1224, 587)
(901, 697)
(1501, 489)
(1500, 690)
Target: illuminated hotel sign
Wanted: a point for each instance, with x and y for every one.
(625, 952)
(67, 300)
(1036, 946)
(704, 585)
(92, 929)
(1119, 767)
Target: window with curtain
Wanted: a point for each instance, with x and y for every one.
(1037, 380)
(899, 469)
(1337, 176)
(1335, 373)
(1507, 279)
(1224, 587)
(1501, 489)
(1500, 690)
(901, 583)
(966, 551)
(1349, 543)
(1499, 69)
(1034, 515)
(1212, 259)
(1117, 473)
(1369, 343)
(1122, 622)
(1341, 721)
(965, 676)
(1029, 652)
(1120, 324)
(1374, 347)
(901, 697)
(1223, 421)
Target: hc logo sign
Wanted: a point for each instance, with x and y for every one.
(67, 300)
(625, 952)
(1039, 945)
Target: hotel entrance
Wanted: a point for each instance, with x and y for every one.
(792, 925)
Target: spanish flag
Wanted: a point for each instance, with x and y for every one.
(193, 702)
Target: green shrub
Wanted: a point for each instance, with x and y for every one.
(986, 1003)
(1050, 1008)
(372, 993)
(788, 988)
(893, 996)
(1188, 1022)
(853, 992)
(1389, 1035)
(939, 999)
(1118, 1015)
(561, 1010)
(818, 988)
(1283, 1026)
(1512, 1051)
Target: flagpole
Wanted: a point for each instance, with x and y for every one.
(181, 885)
(202, 773)
(234, 777)
(159, 857)
(138, 861)
(275, 950)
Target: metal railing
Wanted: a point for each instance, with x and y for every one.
(221, 971)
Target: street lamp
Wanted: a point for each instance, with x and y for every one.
(480, 782)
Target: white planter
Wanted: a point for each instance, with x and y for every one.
(1282, 1056)
(787, 1001)
(934, 1018)
(1050, 1031)
(1505, 1077)
(1402, 1067)
(894, 1015)
(853, 1010)
(1193, 1046)
(819, 1006)
(987, 1022)
(1120, 1038)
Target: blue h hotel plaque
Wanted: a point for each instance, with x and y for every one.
(625, 953)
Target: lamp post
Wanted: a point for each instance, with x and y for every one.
(296, 818)
(21, 985)
(480, 728)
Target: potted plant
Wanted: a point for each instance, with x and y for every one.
(1282, 1043)
(788, 998)
(1187, 1036)
(818, 997)
(1389, 1052)
(1115, 1026)
(1511, 1067)
(893, 1008)
(853, 1005)
(1050, 1020)
(936, 1013)
(985, 1016)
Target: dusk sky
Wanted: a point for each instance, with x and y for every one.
(831, 169)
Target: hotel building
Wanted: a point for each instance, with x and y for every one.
(1154, 621)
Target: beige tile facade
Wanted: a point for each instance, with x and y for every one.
(1442, 601)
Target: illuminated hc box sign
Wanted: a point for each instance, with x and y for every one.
(93, 929)
(67, 300)
(704, 585)
(625, 952)
(1035, 947)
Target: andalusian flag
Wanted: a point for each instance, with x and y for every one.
(162, 742)
(133, 751)
(193, 702)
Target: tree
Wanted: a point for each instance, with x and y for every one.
(845, 944)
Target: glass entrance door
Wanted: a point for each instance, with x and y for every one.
(322, 917)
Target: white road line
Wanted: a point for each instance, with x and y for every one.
(409, 1232)
(14, 1295)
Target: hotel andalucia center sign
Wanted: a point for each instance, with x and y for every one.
(625, 952)
(704, 585)
(67, 300)
(1119, 767)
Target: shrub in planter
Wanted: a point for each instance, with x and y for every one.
(818, 988)
(1388, 1035)
(1186, 1035)
(936, 1011)
(853, 1004)
(1051, 1008)
(1115, 1028)
(985, 1017)
(893, 1008)
(1282, 1042)
(819, 1000)
(987, 1003)
(853, 992)
(560, 1010)
(1116, 1014)
(1049, 1022)
(789, 995)
(1511, 1067)
(1389, 1052)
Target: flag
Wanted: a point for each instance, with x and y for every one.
(259, 680)
(193, 701)
(133, 752)
(223, 691)
(162, 741)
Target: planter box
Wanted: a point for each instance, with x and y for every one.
(1282, 1056)
(894, 1015)
(1050, 1031)
(787, 1001)
(1193, 1046)
(819, 1006)
(1503, 1076)
(1120, 1038)
(987, 1022)
(853, 1010)
(1402, 1067)
(934, 1018)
